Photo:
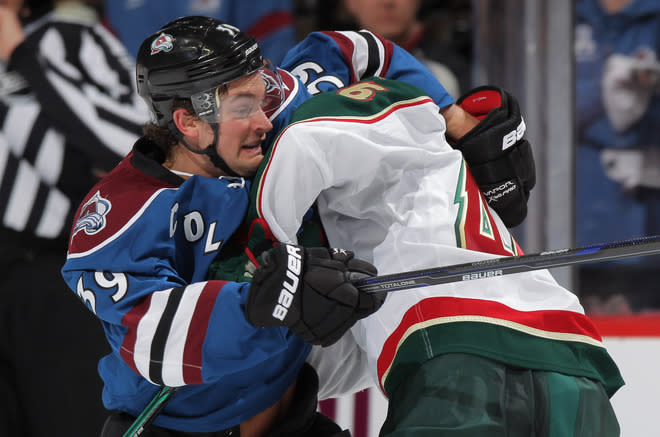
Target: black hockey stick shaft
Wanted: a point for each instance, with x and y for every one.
(513, 264)
(150, 412)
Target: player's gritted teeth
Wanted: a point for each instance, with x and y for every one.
(252, 147)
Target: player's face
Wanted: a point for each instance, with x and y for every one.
(244, 125)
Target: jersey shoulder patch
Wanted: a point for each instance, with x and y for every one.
(113, 204)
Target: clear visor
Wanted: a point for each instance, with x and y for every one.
(260, 92)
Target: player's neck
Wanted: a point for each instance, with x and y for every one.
(185, 163)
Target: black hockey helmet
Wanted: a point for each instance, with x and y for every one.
(192, 55)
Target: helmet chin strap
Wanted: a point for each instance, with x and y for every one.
(210, 150)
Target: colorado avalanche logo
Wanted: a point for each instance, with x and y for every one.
(92, 215)
(164, 43)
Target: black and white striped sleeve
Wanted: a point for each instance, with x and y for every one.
(29, 201)
(69, 112)
(85, 83)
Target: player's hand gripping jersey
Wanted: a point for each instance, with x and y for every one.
(373, 160)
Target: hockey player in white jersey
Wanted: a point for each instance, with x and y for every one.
(511, 355)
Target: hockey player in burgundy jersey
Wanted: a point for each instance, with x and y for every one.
(145, 235)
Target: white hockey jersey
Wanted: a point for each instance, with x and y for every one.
(374, 161)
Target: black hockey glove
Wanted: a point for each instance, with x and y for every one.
(309, 291)
(498, 156)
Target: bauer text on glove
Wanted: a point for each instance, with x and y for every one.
(309, 290)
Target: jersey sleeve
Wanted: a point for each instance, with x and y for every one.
(33, 203)
(327, 61)
(144, 278)
(283, 219)
(342, 367)
(174, 334)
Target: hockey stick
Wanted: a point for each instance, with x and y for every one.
(513, 264)
(150, 412)
(456, 273)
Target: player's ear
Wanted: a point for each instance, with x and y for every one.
(187, 123)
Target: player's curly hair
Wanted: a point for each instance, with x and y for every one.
(163, 137)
